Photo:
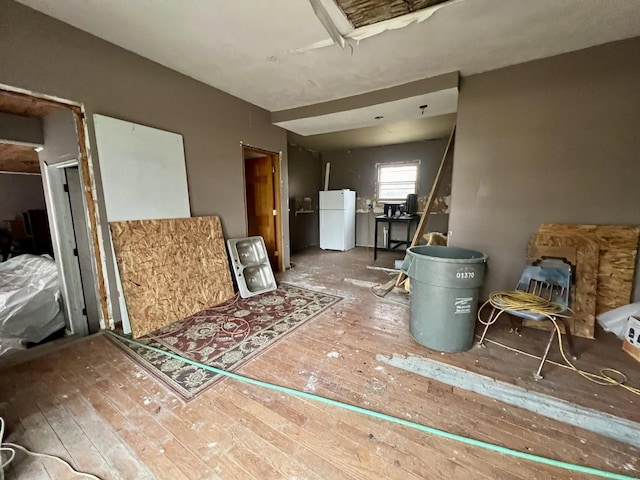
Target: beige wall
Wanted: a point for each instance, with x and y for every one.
(19, 193)
(555, 140)
(356, 169)
(44, 55)
(305, 180)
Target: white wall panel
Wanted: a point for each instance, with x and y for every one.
(143, 171)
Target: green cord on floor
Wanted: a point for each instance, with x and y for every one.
(383, 416)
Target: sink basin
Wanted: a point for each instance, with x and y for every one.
(250, 251)
(251, 266)
(257, 278)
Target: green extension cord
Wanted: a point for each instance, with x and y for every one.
(383, 416)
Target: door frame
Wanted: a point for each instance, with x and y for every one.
(50, 177)
(276, 158)
(64, 244)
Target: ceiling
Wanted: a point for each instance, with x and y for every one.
(435, 103)
(18, 158)
(14, 157)
(277, 54)
(429, 128)
(404, 113)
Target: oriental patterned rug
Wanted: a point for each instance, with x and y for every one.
(225, 336)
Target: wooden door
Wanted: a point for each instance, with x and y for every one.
(261, 203)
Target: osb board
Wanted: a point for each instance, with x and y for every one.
(586, 274)
(618, 250)
(537, 252)
(170, 269)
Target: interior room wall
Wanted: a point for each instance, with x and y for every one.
(305, 180)
(554, 140)
(356, 170)
(19, 193)
(51, 57)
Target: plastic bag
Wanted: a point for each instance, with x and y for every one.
(615, 321)
(30, 301)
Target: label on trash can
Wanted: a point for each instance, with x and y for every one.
(463, 305)
(465, 273)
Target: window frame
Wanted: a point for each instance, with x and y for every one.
(381, 166)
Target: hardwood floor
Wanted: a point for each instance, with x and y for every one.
(93, 406)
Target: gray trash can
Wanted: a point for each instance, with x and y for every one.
(445, 284)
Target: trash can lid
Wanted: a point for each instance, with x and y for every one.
(447, 254)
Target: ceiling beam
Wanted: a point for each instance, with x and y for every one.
(18, 159)
(412, 89)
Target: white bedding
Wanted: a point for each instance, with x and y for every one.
(30, 302)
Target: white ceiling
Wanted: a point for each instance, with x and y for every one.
(428, 128)
(259, 50)
(439, 103)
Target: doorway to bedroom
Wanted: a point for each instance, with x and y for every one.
(47, 257)
(29, 306)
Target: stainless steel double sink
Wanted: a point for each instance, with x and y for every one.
(251, 266)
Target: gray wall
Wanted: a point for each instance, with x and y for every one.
(356, 169)
(305, 180)
(555, 140)
(44, 55)
(19, 193)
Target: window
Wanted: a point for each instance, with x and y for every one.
(397, 180)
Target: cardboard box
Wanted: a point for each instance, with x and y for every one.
(631, 342)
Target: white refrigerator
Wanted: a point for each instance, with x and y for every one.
(337, 220)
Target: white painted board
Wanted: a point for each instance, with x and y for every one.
(143, 171)
(144, 177)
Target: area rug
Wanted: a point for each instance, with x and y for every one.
(225, 336)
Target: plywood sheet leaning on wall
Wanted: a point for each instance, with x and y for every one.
(618, 251)
(587, 252)
(170, 269)
(537, 252)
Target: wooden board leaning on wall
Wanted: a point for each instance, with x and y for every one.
(582, 251)
(170, 269)
(618, 251)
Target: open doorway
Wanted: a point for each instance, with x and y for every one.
(49, 287)
(23, 215)
(30, 308)
(262, 200)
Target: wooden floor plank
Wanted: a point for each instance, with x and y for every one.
(95, 406)
(140, 410)
(333, 447)
(41, 438)
(148, 453)
(269, 428)
(525, 428)
(82, 452)
(150, 400)
(117, 454)
(480, 432)
(8, 474)
(26, 467)
(23, 466)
